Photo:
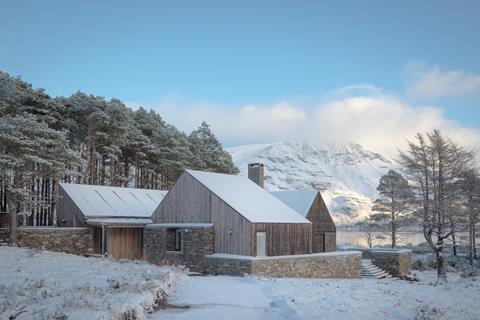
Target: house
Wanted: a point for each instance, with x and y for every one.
(310, 204)
(116, 215)
(247, 220)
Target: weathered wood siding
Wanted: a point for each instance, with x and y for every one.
(232, 230)
(124, 243)
(284, 238)
(189, 201)
(68, 211)
(330, 241)
(322, 226)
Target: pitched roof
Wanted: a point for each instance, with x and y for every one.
(254, 203)
(300, 201)
(113, 202)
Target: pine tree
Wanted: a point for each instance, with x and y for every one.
(395, 200)
(29, 149)
(209, 154)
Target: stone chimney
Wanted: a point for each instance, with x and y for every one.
(256, 173)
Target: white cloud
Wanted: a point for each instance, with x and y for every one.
(432, 82)
(378, 121)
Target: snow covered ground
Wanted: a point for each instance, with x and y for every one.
(223, 297)
(50, 285)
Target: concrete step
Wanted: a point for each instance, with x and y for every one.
(371, 271)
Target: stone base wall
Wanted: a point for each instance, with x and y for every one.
(69, 240)
(197, 242)
(394, 261)
(334, 265)
(229, 265)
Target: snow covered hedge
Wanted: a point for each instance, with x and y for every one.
(44, 285)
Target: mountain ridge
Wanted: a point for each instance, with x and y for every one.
(347, 175)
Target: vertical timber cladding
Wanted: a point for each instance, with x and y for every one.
(323, 227)
(232, 230)
(68, 214)
(125, 243)
(189, 201)
(284, 238)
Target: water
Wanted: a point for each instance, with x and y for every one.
(357, 238)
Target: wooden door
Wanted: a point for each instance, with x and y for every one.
(97, 240)
(124, 243)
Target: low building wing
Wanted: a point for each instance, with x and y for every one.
(111, 205)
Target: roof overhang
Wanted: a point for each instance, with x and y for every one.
(118, 221)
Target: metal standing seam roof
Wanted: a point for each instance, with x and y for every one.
(300, 201)
(113, 202)
(254, 203)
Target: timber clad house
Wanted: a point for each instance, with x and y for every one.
(212, 223)
(247, 219)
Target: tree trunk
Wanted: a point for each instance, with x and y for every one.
(475, 242)
(470, 243)
(454, 240)
(394, 231)
(12, 209)
(441, 262)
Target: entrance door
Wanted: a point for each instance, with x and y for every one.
(261, 244)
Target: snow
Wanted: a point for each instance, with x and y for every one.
(296, 256)
(256, 204)
(300, 201)
(51, 284)
(347, 175)
(223, 297)
(102, 201)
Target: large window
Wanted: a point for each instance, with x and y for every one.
(174, 240)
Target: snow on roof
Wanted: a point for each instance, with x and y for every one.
(256, 204)
(114, 202)
(300, 201)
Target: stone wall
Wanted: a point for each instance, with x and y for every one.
(69, 240)
(333, 265)
(230, 265)
(394, 261)
(197, 242)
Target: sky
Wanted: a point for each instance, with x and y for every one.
(374, 72)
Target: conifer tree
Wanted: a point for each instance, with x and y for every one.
(209, 154)
(29, 149)
(395, 201)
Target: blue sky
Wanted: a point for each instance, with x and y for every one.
(232, 54)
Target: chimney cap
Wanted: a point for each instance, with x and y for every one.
(256, 164)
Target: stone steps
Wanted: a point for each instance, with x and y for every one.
(369, 270)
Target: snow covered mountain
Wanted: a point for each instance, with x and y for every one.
(347, 175)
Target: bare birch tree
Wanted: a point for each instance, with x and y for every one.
(434, 165)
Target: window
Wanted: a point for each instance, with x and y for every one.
(174, 240)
